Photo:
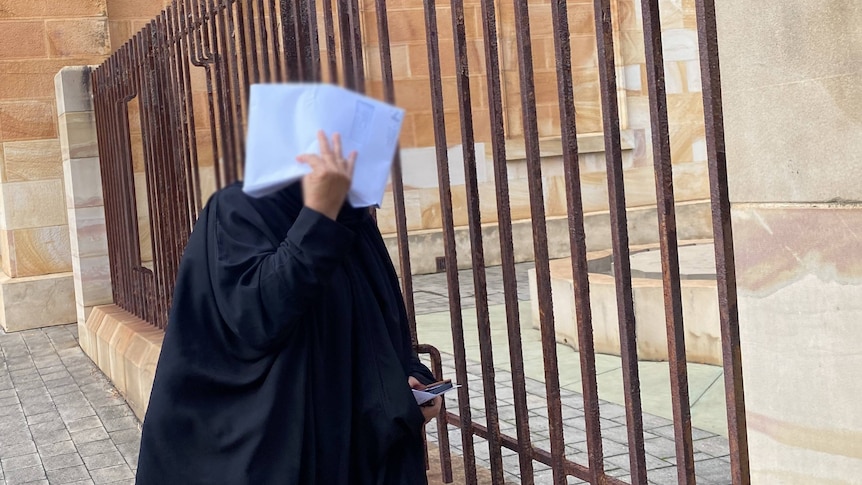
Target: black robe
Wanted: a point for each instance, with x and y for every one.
(287, 354)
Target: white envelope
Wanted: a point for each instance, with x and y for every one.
(283, 123)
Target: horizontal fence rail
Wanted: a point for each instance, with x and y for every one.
(172, 107)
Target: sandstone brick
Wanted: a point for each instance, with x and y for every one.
(5, 259)
(32, 160)
(78, 37)
(119, 31)
(52, 8)
(400, 55)
(78, 135)
(34, 204)
(33, 78)
(22, 39)
(134, 9)
(40, 251)
(28, 120)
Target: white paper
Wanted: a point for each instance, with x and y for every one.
(283, 123)
(423, 397)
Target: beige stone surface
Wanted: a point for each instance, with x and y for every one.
(799, 311)
(83, 183)
(792, 100)
(31, 160)
(33, 204)
(35, 302)
(40, 251)
(22, 39)
(78, 135)
(126, 349)
(95, 280)
(32, 119)
(78, 37)
(72, 89)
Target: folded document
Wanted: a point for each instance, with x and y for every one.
(283, 123)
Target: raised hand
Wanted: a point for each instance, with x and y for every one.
(326, 187)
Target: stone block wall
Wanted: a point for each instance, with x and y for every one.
(792, 103)
(38, 38)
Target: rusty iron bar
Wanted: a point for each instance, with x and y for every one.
(668, 242)
(619, 230)
(345, 35)
(451, 257)
(329, 32)
(442, 430)
(288, 40)
(507, 251)
(540, 247)
(193, 173)
(477, 252)
(723, 237)
(580, 275)
(397, 177)
(570, 468)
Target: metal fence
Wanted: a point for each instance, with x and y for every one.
(236, 43)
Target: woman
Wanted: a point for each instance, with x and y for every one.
(288, 358)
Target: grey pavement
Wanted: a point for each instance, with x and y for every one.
(62, 422)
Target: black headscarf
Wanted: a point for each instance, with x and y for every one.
(287, 354)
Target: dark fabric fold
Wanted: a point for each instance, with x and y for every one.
(287, 354)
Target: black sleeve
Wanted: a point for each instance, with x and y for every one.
(264, 289)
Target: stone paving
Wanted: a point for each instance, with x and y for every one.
(62, 422)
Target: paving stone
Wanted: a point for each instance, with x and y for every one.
(90, 422)
(68, 475)
(55, 449)
(19, 462)
(104, 460)
(51, 463)
(96, 447)
(89, 435)
(43, 418)
(19, 449)
(119, 424)
(126, 436)
(112, 474)
(54, 436)
(25, 475)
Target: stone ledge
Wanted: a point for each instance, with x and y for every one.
(36, 301)
(126, 349)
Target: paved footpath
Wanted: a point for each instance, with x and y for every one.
(61, 421)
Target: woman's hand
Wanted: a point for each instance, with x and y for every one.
(431, 409)
(326, 187)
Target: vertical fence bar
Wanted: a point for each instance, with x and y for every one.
(226, 59)
(288, 39)
(668, 241)
(540, 241)
(477, 253)
(465, 414)
(580, 274)
(507, 251)
(619, 230)
(723, 236)
(192, 173)
(401, 220)
(329, 29)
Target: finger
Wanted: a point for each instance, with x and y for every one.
(312, 161)
(351, 163)
(325, 149)
(336, 146)
(414, 383)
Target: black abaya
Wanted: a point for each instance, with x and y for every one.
(287, 354)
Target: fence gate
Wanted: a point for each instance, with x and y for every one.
(498, 93)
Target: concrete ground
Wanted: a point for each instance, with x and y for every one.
(62, 422)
